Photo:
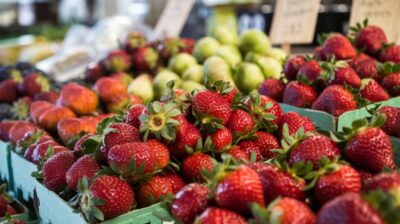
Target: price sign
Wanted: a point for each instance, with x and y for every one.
(173, 17)
(382, 13)
(294, 21)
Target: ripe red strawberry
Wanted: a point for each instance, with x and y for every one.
(221, 138)
(320, 54)
(239, 188)
(299, 94)
(189, 202)
(12, 211)
(107, 88)
(240, 122)
(220, 215)
(54, 170)
(383, 181)
(364, 175)
(295, 121)
(207, 104)
(391, 83)
(372, 91)
(145, 59)
(121, 156)
(272, 88)
(117, 61)
(86, 166)
(132, 116)
(313, 149)
(310, 71)
(18, 131)
(80, 99)
(336, 100)
(176, 181)
(123, 133)
(186, 136)
(346, 76)
(70, 128)
(348, 208)
(339, 46)
(367, 68)
(390, 54)
(33, 84)
(50, 96)
(193, 165)
(161, 152)
(5, 127)
(238, 154)
(266, 106)
(371, 39)
(117, 195)
(249, 147)
(231, 95)
(154, 191)
(40, 151)
(8, 91)
(93, 72)
(267, 142)
(392, 116)
(292, 66)
(37, 108)
(330, 185)
(50, 118)
(361, 150)
(277, 182)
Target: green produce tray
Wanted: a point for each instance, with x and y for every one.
(23, 212)
(24, 183)
(53, 209)
(5, 165)
(322, 120)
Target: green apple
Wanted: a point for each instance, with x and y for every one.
(193, 73)
(189, 86)
(270, 67)
(142, 87)
(277, 54)
(248, 76)
(225, 36)
(161, 80)
(215, 68)
(205, 48)
(230, 54)
(180, 62)
(254, 41)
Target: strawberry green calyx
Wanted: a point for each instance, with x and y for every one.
(387, 203)
(181, 98)
(266, 215)
(219, 86)
(20, 110)
(262, 119)
(160, 121)
(329, 69)
(326, 166)
(200, 147)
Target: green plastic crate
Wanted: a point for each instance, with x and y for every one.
(53, 209)
(5, 166)
(21, 210)
(24, 183)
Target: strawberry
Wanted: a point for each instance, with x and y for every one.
(172, 46)
(33, 84)
(193, 165)
(108, 87)
(145, 59)
(117, 61)
(190, 201)
(208, 105)
(186, 136)
(312, 149)
(391, 83)
(342, 180)
(338, 46)
(93, 72)
(320, 54)
(11, 211)
(295, 121)
(348, 208)
(54, 170)
(367, 68)
(50, 118)
(231, 95)
(237, 189)
(336, 100)
(132, 115)
(5, 127)
(240, 122)
(219, 215)
(266, 111)
(118, 103)
(161, 152)
(272, 88)
(41, 151)
(345, 76)
(176, 181)
(392, 116)
(292, 66)
(78, 144)
(134, 40)
(80, 99)
(364, 175)
(122, 156)
(18, 130)
(86, 166)
(238, 154)
(249, 147)
(5, 200)
(390, 54)
(310, 71)
(120, 133)
(371, 39)
(8, 91)
(115, 195)
(266, 142)
(37, 108)
(70, 128)
(372, 91)
(50, 96)
(299, 94)
(382, 181)
(122, 77)
(221, 138)
(277, 182)
(153, 191)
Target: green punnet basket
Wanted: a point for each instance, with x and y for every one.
(53, 209)
(22, 212)
(322, 120)
(24, 183)
(5, 164)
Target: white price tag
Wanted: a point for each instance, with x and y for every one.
(294, 21)
(173, 17)
(382, 13)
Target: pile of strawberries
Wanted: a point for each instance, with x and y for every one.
(343, 74)
(6, 208)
